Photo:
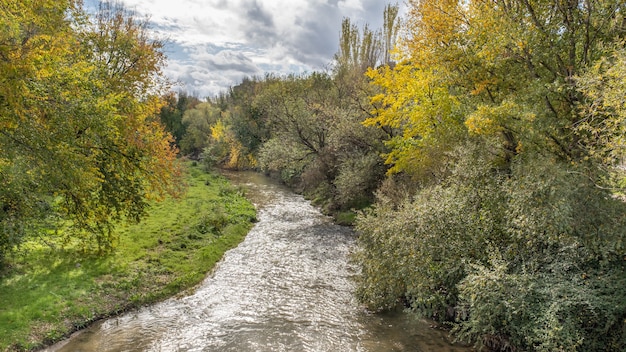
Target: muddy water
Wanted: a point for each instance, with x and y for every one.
(287, 287)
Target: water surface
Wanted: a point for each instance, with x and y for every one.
(287, 287)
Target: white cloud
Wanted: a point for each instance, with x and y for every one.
(213, 44)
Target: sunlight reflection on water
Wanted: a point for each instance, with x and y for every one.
(287, 287)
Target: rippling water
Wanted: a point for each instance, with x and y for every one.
(287, 287)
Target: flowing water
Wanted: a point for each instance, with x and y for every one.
(287, 287)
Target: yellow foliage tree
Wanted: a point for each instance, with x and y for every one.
(78, 107)
(505, 69)
(420, 109)
(233, 154)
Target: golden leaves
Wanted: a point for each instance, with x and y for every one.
(415, 103)
(87, 138)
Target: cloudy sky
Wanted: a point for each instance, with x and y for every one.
(213, 44)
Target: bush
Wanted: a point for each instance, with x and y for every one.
(560, 307)
(358, 179)
(212, 222)
(288, 159)
(528, 257)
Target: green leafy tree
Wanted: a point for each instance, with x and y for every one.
(172, 113)
(198, 122)
(247, 121)
(391, 28)
(299, 115)
(81, 146)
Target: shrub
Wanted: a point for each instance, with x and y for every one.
(357, 180)
(529, 257)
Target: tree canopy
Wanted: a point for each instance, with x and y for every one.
(81, 145)
(507, 117)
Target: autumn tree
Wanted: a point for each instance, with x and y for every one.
(241, 130)
(601, 128)
(172, 112)
(512, 65)
(198, 122)
(81, 144)
(506, 114)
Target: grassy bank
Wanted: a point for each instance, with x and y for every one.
(48, 292)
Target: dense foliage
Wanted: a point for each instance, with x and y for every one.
(529, 258)
(491, 144)
(510, 122)
(81, 147)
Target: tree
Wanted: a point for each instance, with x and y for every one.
(602, 127)
(241, 129)
(422, 116)
(172, 112)
(299, 115)
(198, 122)
(391, 28)
(511, 65)
(247, 121)
(81, 145)
(505, 114)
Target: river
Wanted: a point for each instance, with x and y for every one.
(287, 287)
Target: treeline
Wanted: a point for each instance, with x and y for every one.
(306, 130)
(487, 152)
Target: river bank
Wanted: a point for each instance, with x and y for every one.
(288, 286)
(47, 292)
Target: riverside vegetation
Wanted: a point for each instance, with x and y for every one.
(51, 289)
(477, 147)
(484, 158)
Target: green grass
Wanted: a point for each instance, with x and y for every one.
(48, 292)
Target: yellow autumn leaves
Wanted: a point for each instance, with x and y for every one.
(502, 70)
(78, 104)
